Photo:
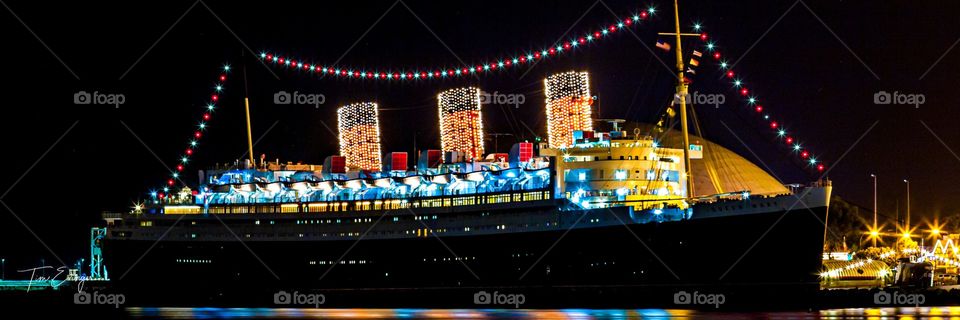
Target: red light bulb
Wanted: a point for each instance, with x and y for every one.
(206, 116)
(759, 108)
(716, 55)
(730, 74)
(703, 36)
(744, 91)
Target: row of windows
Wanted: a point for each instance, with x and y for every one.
(194, 261)
(332, 262)
(449, 259)
(365, 205)
(420, 232)
(740, 206)
(423, 233)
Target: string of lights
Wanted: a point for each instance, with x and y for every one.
(753, 102)
(461, 123)
(359, 126)
(520, 58)
(568, 107)
(194, 141)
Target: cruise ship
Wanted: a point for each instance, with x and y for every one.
(606, 214)
(628, 215)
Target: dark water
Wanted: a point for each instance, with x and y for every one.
(271, 313)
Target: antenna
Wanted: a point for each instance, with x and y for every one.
(615, 123)
(496, 139)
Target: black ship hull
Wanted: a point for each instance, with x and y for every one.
(761, 260)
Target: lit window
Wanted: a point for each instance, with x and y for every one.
(620, 174)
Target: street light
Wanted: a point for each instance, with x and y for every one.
(873, 233)
(908, 203)
(3, 266)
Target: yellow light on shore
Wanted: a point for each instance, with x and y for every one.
(935, 231)
(906, 235)
(874, 233)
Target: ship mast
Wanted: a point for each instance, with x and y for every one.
(682, 96)
(246, 105)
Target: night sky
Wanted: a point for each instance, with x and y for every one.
(816, 68)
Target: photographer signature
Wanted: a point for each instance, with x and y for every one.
(52, 280)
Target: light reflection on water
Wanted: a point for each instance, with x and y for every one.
(600, 314)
